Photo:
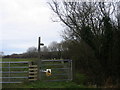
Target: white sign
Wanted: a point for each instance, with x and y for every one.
(48, 72)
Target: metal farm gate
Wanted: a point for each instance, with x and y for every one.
(61, 70)
(14, 72)
(48, 70)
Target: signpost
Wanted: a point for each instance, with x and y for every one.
(39, 60)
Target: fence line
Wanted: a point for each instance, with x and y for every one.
(56, 60)
(15, 72)
(16, 62)
(13, 77)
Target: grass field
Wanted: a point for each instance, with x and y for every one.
(19, 59)
(39, 84)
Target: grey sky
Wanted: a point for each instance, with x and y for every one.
(23, 21)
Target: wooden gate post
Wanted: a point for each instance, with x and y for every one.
(39, 58)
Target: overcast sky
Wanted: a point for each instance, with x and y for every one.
(23, 21)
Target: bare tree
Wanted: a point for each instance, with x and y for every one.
(90, 23)
(31, 49)
(53, 46)
(31, 52)
(44, 49)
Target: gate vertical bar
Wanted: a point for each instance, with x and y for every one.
(9, 69)
(71, 70)
(1, 54)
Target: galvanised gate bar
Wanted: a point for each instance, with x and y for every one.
(14, 72)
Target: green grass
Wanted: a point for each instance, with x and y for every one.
(38, 84)
(81, 78)
(19, 59)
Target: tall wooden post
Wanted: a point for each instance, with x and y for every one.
(39, 58)
(39, 45)
(39, 61)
